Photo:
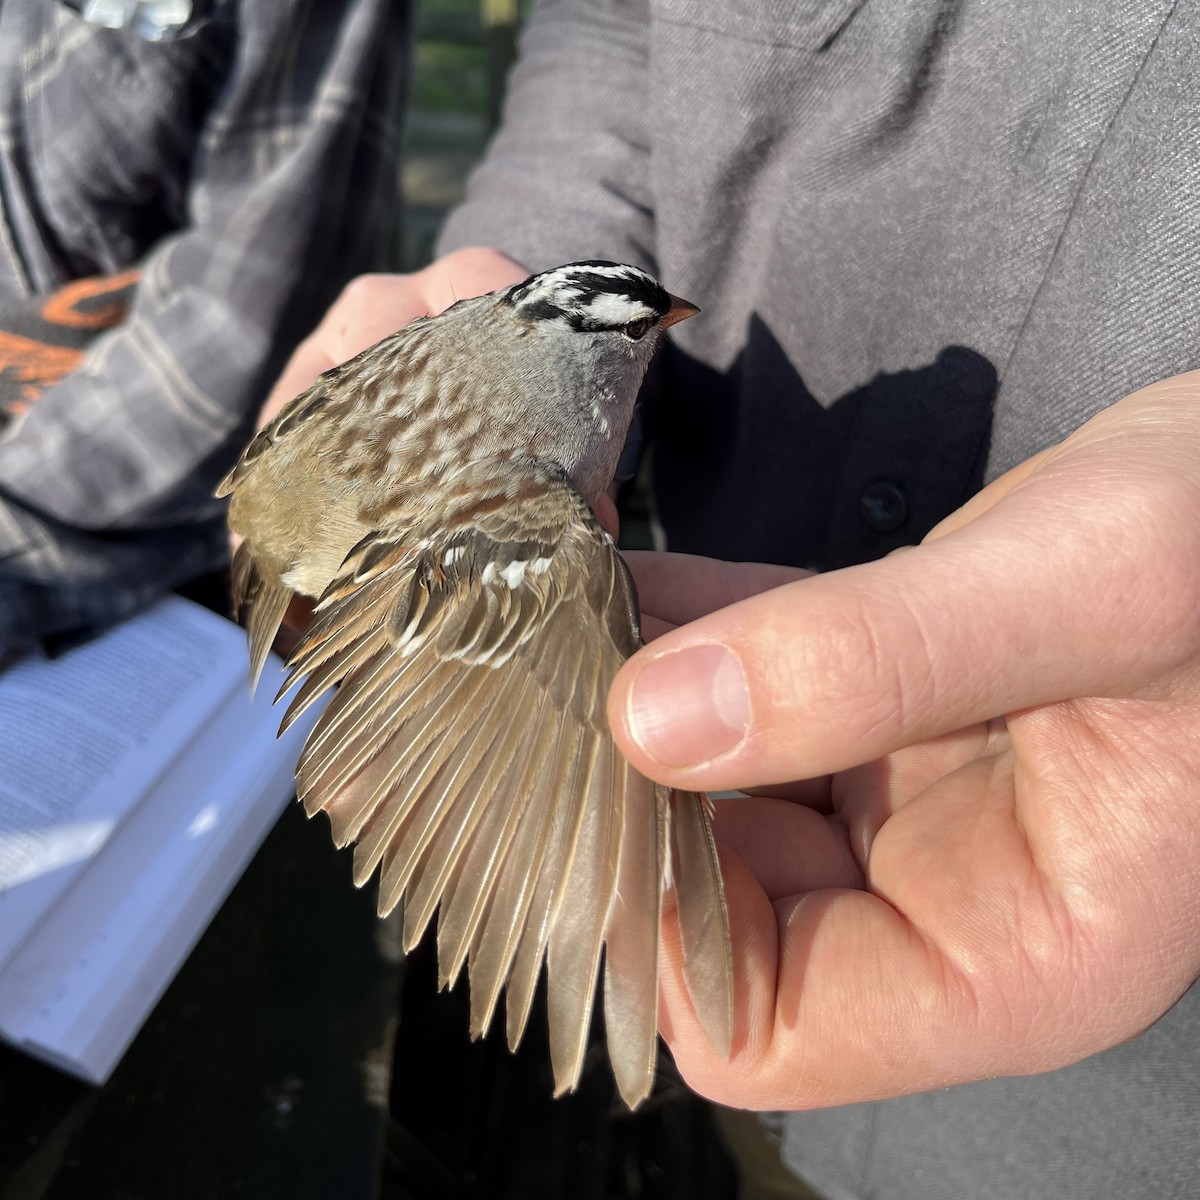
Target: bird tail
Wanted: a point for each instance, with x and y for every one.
(703, 917)
(260, 603)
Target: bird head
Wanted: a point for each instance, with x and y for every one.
(602, 300)
(592, 328)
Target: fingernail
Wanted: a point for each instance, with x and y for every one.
(690, 706)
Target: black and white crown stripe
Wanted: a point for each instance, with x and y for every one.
(591, 295)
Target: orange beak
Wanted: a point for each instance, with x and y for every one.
(680, 310)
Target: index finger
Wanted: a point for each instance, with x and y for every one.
(678, 588)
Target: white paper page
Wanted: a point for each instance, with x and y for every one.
(84, 737)
(81, 987)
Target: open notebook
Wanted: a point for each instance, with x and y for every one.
(137, 780)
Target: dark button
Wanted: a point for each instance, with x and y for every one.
(883, 506)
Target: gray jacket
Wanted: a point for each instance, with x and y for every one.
(930, 237)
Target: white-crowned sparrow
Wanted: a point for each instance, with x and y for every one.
(433, 493)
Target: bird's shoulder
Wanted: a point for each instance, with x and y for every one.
(329, 415)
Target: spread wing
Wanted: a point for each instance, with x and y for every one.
(467, 755)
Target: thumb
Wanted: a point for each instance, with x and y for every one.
(1078, 579)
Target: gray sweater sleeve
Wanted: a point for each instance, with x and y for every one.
(567, 176)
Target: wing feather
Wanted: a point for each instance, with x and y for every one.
(443, 790)
(371, 703)
(319, 680)
(427, 745)
(441, 860)
(465, 901)
(568, 812)
(492, 959)
(467, 755)
(631, 939)
(703, 918)
(577, 936)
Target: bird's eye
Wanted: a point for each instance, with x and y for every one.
(636, 330)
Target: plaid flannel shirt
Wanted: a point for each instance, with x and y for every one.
(246, 170)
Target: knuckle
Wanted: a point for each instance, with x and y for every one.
(1155, 584)
(875, 658)
(358, 295)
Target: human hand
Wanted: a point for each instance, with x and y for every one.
(992, 865)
